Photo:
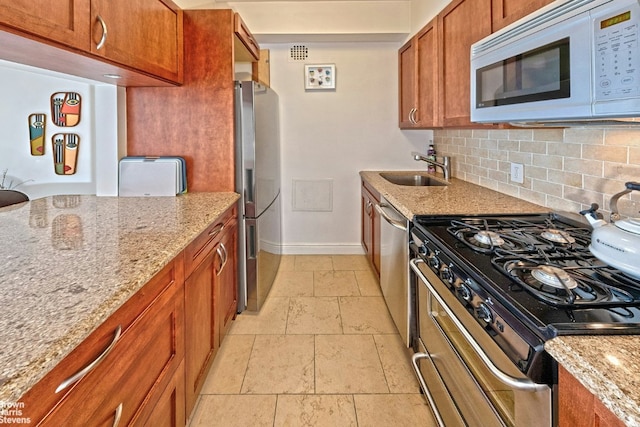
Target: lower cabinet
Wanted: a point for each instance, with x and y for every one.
(578, 407)
(210, 299)
(145, 365)
(370, 222)
(129, 362)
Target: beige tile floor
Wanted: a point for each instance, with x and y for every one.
(323, 351)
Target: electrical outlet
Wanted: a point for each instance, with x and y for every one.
(517, 173)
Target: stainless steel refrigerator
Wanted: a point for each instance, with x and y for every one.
(258, 181)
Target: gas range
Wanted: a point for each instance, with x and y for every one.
(538, 268)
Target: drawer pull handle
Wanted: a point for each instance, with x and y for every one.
(103, 39)
(117, 416)
(216, 230)
(91, 366)
(223, 254)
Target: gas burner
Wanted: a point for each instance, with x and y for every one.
(557, 236)
(488, 239)
(554, 276)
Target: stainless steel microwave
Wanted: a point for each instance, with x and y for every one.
(572, 60)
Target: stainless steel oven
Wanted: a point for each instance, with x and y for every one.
(467, 378)
(489, 292)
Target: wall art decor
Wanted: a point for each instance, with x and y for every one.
(320, 77)
(65, 152)
(65, 108)
(37, 125)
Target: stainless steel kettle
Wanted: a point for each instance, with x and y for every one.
(616, 243)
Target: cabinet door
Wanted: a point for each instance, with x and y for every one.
(407, 84)
(367, 223)
(460, 24)
(506, 12)
(169, 410)
(578, 407)
(143, 34)
(62, 21)
(201, 335)
(135, 373)
(426, 40)
(370, 220)
(226, 279)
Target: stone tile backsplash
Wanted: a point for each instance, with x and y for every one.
(564, 169)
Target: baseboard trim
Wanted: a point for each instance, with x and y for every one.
(322, 249)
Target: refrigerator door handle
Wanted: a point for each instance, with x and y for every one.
(251, 240)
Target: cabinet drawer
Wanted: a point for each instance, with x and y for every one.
(244, 36)
(140, 365)
(42, 397)
(197, 250)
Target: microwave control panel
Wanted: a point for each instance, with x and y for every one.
(617, 53)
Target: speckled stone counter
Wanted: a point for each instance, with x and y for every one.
(608, 366)
(459, 197)
(69, 262)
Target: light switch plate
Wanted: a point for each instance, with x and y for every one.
(517, 173)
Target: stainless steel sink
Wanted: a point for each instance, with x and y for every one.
(412, 180)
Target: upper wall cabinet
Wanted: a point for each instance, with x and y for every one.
(139, 40)
(143, 34)
(506, 12)
(246, 47)
(418, 71)
(65, 21)
(435, 66)
(456, 37)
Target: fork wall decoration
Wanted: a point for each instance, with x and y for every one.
(65, 109)
(37, 125)
(65, 152)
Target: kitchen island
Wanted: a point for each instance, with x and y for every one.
(69, 262)
(608, 366)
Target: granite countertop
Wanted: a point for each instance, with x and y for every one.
(69, 262)
(457, 198)
(608, 366)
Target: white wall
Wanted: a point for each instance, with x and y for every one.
(27, 90)
(422, 11)
(335, 134)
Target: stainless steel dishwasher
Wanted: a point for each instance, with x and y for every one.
(394, 266)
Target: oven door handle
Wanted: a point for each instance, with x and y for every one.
(522, 384)
(423, 385)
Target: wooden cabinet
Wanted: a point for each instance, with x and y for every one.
(370, 221)
(226, 278)
(246, 47)
(578, 407)
(200, 127)
(142, 34)
(66, 21)
(209, 262)
(505, 12)
(418, 72)
(142, 39)
(435, 66)
(140, 349)
(460, 24)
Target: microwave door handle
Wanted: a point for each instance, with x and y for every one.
(521, 384)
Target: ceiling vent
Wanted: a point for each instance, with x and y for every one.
(298, 52)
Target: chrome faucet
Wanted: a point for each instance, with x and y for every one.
(445, 165)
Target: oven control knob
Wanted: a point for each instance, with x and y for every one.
(464, 292)
(423, 250)
(434, 262)
(484, 313)
(445, 273)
